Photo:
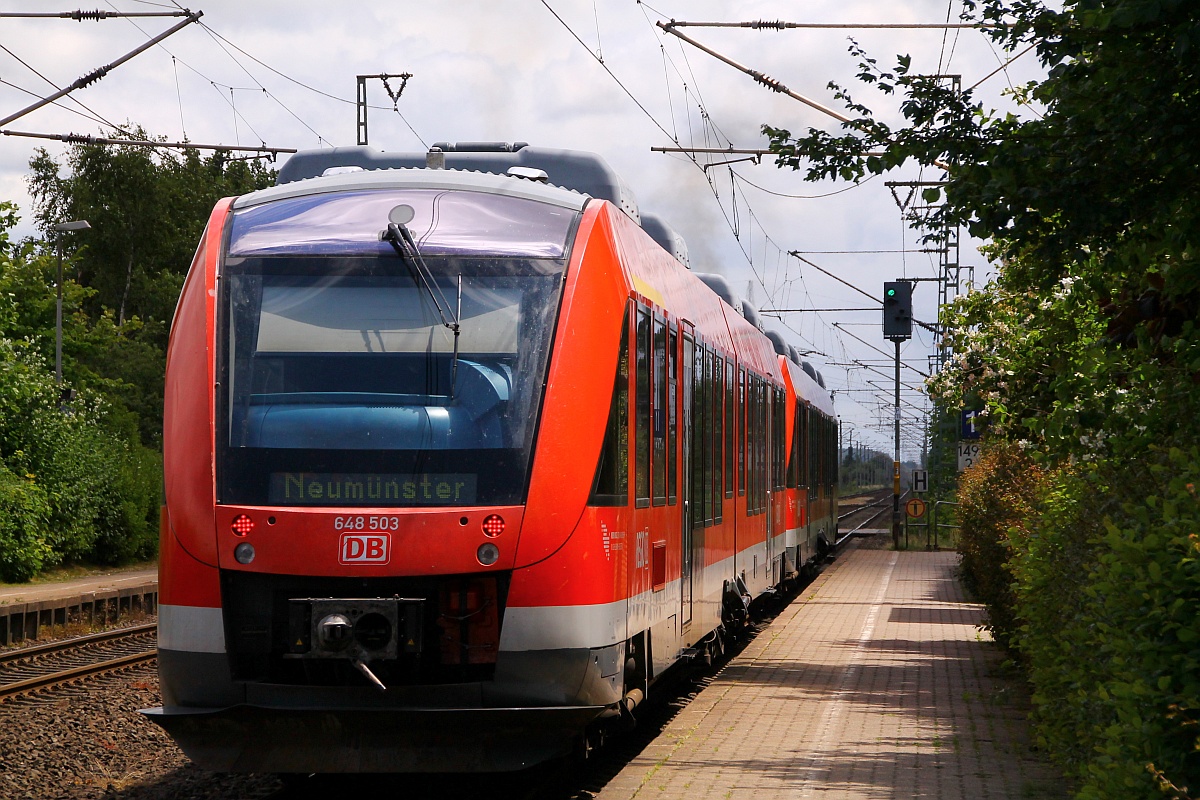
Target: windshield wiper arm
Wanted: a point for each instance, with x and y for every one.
(402, 240)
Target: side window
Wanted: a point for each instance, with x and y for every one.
(611, 487)
(780, 438)
(641, 467)
(718, 386)
(742, 433)
(660, 412)
(709, 434)
(802, 444)
(697, 498)
(729, 428)
(763, 441)
(753, 468)
(760, 497)
(812, 459)
(672, 412)
(835, 447)
(772, 439)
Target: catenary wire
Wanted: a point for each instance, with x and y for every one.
(217, 83)
(86, 115)
(749, 182)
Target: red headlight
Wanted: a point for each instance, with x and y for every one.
(493, 526)
(242, 525)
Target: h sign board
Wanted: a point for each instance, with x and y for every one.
(920, 481)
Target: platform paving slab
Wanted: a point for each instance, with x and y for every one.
(875, 682)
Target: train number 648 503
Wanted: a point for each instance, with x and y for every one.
(366, 523)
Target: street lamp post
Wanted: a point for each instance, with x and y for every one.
(61, 228)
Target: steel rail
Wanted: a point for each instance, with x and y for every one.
(75, 673)
(851, 533)
(79, 641)
(864, 507)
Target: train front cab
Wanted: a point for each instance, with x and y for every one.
(297, 506)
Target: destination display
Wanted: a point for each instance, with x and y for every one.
(367, 489)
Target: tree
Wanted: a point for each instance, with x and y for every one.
(1122, 108)
(81, 480)
(1085, 350)
(75, 482)
(147, 209)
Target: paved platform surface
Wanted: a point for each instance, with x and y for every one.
(874, 683)
(38, 592)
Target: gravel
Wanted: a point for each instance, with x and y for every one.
(88, 741)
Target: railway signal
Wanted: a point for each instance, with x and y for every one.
(897, 327)
(897, 310)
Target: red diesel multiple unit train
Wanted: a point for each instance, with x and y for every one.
(459, 461)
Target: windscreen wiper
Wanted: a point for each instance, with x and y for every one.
(401, 239)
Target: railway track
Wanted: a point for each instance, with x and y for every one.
(30, 669)
(880, 500)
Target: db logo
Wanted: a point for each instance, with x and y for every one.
(365, 548)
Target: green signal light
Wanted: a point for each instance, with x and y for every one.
(891, 292)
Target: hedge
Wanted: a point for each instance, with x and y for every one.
(1092, 579)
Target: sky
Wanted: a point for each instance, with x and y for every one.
(596, 76)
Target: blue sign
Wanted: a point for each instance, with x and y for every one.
(969, 430)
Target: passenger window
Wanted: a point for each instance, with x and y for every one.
(672, 412)
(611, 487)
(729, 428)
(641, 469)
(660, 412)
(742, 433)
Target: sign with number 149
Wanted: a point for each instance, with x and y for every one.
(968, 454)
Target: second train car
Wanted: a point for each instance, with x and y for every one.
(459, 461)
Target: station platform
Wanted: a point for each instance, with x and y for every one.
(117, 579)
(873, 683)
(25, 609)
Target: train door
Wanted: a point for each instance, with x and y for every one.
(685, 485)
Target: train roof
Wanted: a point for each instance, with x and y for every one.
(750, 315)
(804, 381)
(666, 236)
(721, 288)
(584, 172)
(781, 347)
(419, 179)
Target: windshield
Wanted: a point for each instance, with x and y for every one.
(342, 386)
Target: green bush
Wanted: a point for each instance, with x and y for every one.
(1145, 590)
(996, 499)
(1097, 587)
(24, 511)
(101, 486)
